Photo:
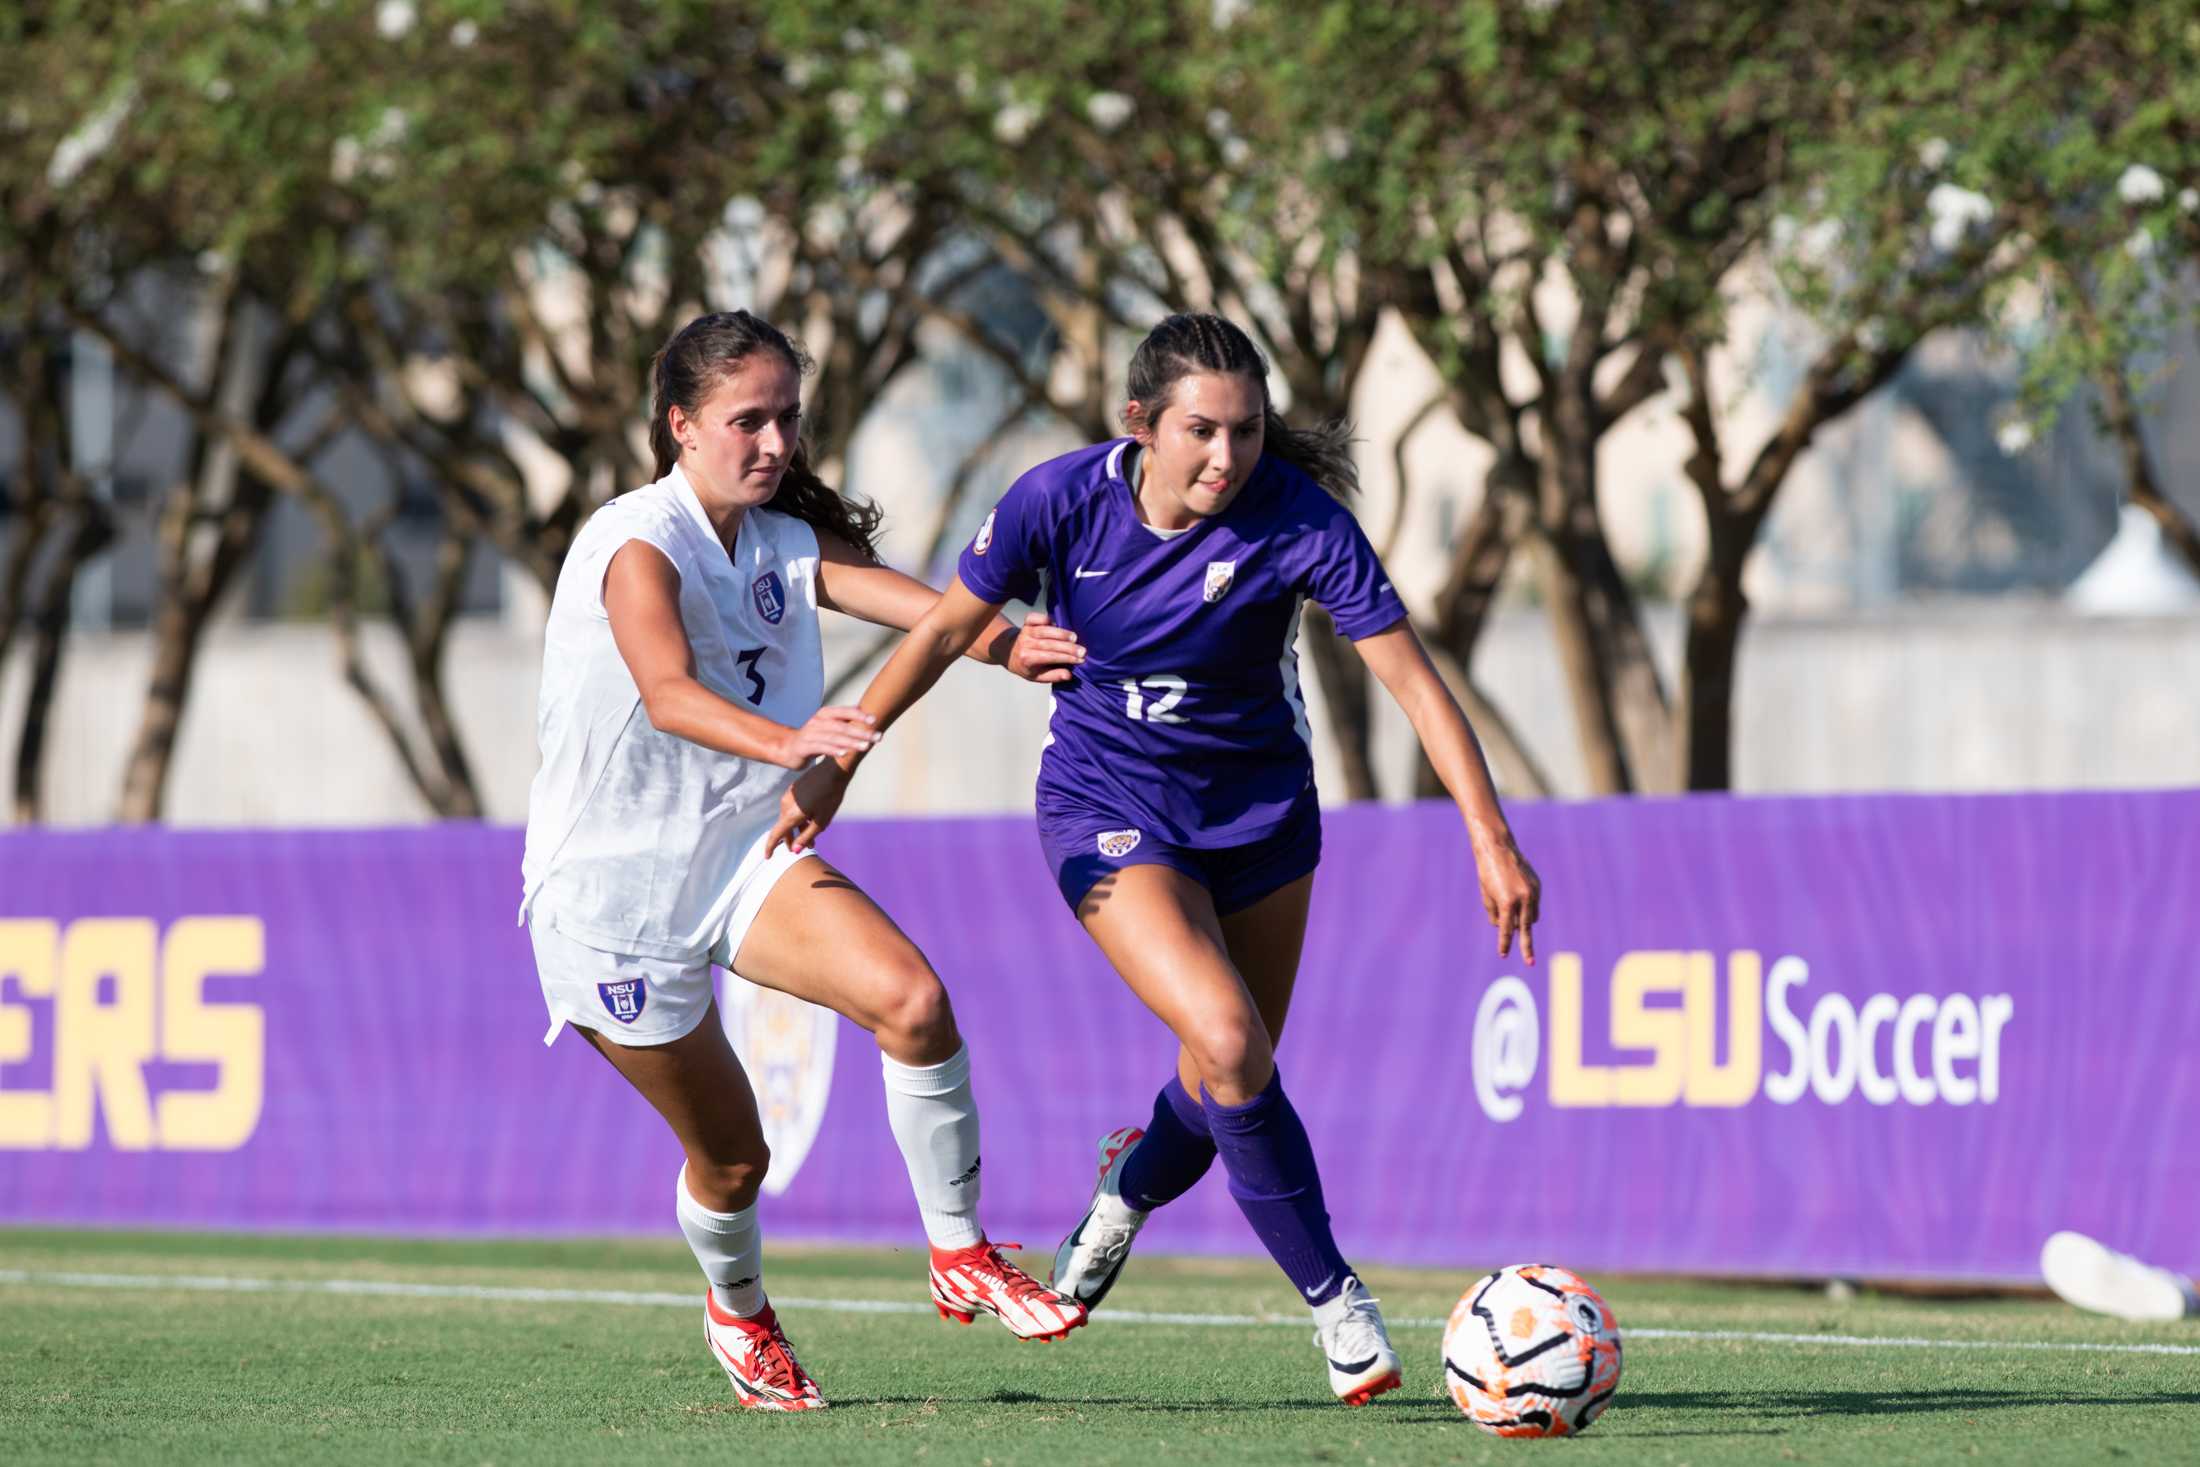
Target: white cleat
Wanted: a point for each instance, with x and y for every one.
(1349, 1330)
(2091, 1276)
(1086, 1265)
(758, 1360)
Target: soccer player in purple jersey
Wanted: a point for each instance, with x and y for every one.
(1176, 791)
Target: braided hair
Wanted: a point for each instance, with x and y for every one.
(690, 366)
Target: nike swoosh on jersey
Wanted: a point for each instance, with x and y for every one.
(1081, 573)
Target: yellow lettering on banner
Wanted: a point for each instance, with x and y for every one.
(26, 955)
(1735, 1082)
(1636, 1025)
(230, 1035)
(100, 1049)
(1572, 1082)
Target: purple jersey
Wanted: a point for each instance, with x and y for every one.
(1185, 718)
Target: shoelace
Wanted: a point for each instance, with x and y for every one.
(1110, 1240)
(779, 1369)
(1361, 1327)
(1012, 1279)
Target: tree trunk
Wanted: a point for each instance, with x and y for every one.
(191, 585)
(1479, 555)
(94, 532)
(1344, 683)
(189, 596)
(2120, 413)
(1606, 654)
(1716, 610)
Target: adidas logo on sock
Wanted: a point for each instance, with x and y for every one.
(969, 1176)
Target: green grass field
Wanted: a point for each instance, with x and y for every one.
(368, 1350)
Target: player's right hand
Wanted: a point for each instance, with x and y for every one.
(831, 732)
(1044, 652)
(808, 807)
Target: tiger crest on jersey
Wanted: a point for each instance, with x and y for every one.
(984, 542)
(1118, 843)
(1219, 574)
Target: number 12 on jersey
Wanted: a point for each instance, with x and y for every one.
(1167, 685)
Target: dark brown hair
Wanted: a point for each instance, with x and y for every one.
(1182, 345)
(689, 368)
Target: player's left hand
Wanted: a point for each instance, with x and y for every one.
(808, 806)
(1044, 652)
(1511, 891)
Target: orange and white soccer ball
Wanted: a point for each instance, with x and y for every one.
(1531, 1350)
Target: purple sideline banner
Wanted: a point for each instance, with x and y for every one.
(1871, 1036)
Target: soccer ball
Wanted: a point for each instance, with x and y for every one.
(1531, 1350)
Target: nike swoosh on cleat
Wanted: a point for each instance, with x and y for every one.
(1343, 1369)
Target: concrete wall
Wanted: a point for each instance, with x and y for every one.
(1966, 696)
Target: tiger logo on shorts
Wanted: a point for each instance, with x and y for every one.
(1118, 843)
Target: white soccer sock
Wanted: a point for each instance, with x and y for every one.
(936, 1122)
(729, 1246)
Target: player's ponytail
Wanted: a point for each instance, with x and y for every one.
(1184, 344)
(689, 367)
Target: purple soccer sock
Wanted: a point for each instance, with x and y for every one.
(1175, 1153)
(1271, 1165)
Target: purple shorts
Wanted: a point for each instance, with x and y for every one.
(1083, 847)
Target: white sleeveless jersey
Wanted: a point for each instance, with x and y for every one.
(638, 841)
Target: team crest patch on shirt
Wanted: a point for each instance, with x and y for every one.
(984, 542)
(771, 596)
(624, 1001)
(1219, 573)
(1118, 843)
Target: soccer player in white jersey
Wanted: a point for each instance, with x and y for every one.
(1176, 793)
(682, 675)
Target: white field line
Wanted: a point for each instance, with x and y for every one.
(375, 1288)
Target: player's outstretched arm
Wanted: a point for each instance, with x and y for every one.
(641, 594)
(850, 582)
(943, 634)
(1511, 891)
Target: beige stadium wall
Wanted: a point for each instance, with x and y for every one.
(1992, 697)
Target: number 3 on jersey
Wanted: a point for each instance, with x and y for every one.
(1171, 690)
(748, 661)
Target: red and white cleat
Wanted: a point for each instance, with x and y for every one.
(758, 1360)
(967, 1282)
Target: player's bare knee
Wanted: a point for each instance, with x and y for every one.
(916, 1023)
(1233, 1058)
(729, 1185)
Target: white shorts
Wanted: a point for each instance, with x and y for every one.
(639, 1001)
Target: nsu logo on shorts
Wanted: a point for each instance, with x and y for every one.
(625, 1000)
(786, 1046)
